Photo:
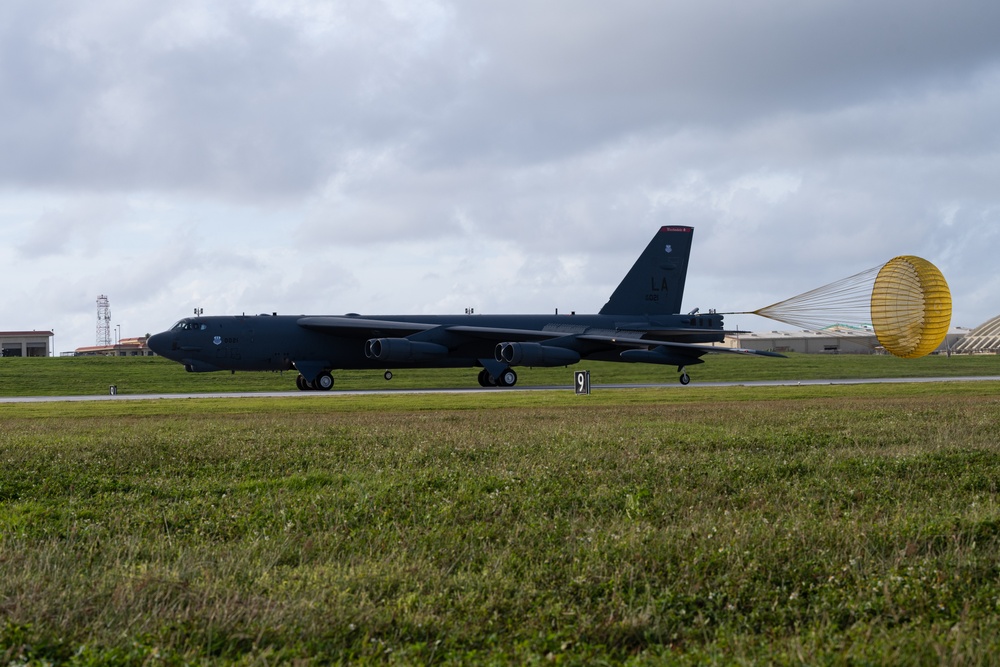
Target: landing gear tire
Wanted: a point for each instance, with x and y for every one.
(508, 378)
(323, 381)
(485, 379)
(305, 385)
(387, 375)
(685, 378)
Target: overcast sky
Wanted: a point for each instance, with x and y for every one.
(424, 156)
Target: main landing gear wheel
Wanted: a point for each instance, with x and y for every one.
(323, 381)
(507, 379)
(387, 375)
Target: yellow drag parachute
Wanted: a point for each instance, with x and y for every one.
(910, 307)
(905, 301)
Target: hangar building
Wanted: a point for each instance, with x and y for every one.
(838, 339)
(984, 339)
(26, 343)
(834, 340)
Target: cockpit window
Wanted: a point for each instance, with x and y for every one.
(190, 325)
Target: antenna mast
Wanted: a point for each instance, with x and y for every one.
(103, 320)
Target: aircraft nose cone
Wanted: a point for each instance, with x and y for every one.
(159, 343)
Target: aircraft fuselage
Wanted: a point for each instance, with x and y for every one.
(639, 323)
(280, 342)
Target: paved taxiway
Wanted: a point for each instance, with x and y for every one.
(473, 390)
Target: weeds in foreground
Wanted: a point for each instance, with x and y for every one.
(848, 529)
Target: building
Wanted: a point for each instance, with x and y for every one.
(833, 340)
(839, 339)
(126, 347)
(26, 343)
(984, 339)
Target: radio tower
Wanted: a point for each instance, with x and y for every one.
(103, 320)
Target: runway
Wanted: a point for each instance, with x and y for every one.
(673, 386)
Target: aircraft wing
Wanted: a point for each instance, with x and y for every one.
(676, 346)
(500, 334)
(349, 325)
(361, 327)
(656, 330)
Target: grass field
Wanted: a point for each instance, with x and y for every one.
(71, 376)
(777, 525)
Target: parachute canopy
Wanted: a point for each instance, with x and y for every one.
(911, 307)
(905, 301)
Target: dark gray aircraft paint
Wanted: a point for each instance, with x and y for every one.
(639, 323)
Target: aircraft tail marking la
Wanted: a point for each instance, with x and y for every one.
(655, 283)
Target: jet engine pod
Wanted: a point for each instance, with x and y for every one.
(401, 350)
(535, 354)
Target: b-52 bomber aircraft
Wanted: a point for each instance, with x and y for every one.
(641, 322)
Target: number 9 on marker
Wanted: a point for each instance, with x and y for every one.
(581, 382)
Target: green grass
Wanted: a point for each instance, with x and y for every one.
(775, 525)
(92, 375)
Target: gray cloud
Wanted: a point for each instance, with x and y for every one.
(78, 228)
(426, 154)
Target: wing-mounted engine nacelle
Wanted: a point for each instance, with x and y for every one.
(535, 354)
(401, 350)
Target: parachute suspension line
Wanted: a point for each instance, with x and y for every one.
(905, 301)
(844, 302)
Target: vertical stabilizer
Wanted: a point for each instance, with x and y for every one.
(655, 284)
